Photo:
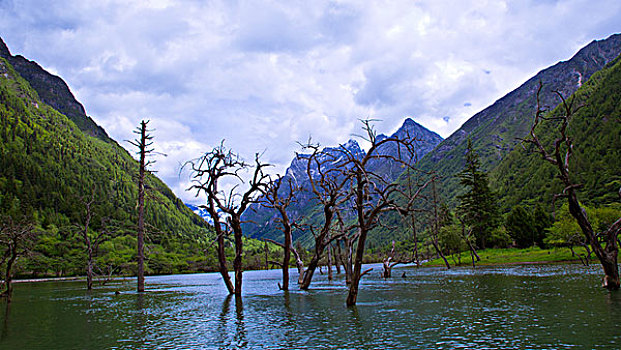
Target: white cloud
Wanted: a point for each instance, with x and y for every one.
(263, 75)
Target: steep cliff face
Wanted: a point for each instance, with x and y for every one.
(425, 141)
(494, 130)
(53, 91)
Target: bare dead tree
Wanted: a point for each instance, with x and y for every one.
(603, 244)
(348, 236)
(143, 143)
(274, 199)
(407, 207)
(372, 195)
(91, 241)
(299, 263)
(466, 235)
(327, 184)
(17, 239)
(435, 224)
(226, 208)
(391, 260)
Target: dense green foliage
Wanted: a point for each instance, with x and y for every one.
(527, 228)
(566, 232)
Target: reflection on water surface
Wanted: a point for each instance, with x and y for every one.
(527, 307)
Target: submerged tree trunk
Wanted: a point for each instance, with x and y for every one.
(141, 226)
(607, 255)
(8, 275)
(287, 257)
(310, 270)
(415, 236)
(224, 271)
(320, 245)
(143, 147)
(239, 252)
(329, 264)
(299, 264)
(352, 296)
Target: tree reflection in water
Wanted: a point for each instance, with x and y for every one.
(5, 324)
(239, 338)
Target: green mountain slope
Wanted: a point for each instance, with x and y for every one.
(48, 165)
(53, 91)
(595, 129)
(494, 131)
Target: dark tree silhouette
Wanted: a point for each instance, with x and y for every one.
(226, 208)
(478, 205)
(279, 198)
(328, 186)
(143, 144)
(372, 194)
(604, 244)
(17, 239)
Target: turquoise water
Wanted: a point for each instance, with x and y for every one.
(525, 307)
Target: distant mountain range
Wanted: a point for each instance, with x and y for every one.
(260, 222)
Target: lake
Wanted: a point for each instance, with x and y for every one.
(509, 307)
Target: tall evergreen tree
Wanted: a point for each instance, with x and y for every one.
(478, 205)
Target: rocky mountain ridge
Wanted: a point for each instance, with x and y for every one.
(54, 91)
(261, 221)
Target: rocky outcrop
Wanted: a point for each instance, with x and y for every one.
(53, 91)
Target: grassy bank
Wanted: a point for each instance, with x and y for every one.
(512, 256)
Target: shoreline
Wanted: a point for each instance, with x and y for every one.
(65, 279)
(481, 264)
(510, 263)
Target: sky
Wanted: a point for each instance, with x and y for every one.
(264, 75)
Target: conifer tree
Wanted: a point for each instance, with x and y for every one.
(478, 205)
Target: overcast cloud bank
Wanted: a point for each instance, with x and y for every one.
(264, 75)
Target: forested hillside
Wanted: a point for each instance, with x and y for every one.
(523, 177)
(494, 131)
(50, 169)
